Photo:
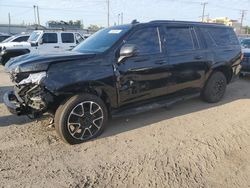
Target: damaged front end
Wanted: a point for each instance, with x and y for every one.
(29, 96)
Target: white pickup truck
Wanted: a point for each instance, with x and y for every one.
(44, 41)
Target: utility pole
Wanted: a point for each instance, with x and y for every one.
(243, 14)
(38, 16)
(108, 6)
(122, 18)
(118, 21)
(34, 6)
(9, 22)
(203, 11)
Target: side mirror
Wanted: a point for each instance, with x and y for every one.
(127, 50)
(40, 41)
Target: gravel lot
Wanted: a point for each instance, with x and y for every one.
(192, 144)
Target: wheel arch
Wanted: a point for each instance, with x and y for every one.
(226, 70)
(89, 88)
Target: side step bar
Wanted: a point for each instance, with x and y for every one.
(151, 106)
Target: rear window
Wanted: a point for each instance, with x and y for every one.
(67, 37)
(219, 36)
(179, 39)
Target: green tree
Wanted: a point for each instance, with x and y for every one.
(94, 27)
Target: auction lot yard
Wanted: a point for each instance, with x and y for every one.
(192, 144)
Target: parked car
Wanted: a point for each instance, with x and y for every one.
(124, 70)
(245, 63)
(15, 38)
(41, 42)
(245, 43)
(3, 37)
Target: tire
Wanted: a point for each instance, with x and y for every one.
(215, 88)
(81, 118)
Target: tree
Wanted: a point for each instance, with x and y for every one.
(94, 27)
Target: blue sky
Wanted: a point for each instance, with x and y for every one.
(95, 11)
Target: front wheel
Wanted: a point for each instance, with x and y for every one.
(81, 118)
(215, 88)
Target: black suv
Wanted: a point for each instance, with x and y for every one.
(124, 70)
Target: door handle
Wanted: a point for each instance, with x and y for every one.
(198, 57)
(56, 46)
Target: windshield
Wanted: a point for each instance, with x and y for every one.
(9, 39)
(102, 40)
(245, 43)
(34, 36)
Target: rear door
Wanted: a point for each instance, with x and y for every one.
(67, 41)
(187, 59)
(50, 42)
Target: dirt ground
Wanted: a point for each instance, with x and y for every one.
(192, 144)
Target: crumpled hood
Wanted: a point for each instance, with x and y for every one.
(41, 61)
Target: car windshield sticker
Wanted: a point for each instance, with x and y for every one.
(115, 31)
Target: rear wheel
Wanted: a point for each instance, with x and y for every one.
(81, 118)
(215, 87)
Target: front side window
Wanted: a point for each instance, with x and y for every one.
(146, 41)
(50, 38)
(178, 39)
(67, 37)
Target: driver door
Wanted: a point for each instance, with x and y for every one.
(50, 43)
(142, 76)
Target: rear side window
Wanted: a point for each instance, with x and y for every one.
(220, 36)
(50, 38)
(178, 39)
(146, 40)
(67, 38)
(21, 39)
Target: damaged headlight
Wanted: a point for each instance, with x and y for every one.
(35, 78)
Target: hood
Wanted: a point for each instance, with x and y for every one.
(41, 62)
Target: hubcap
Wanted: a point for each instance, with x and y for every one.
(219, 87)
(85, 120)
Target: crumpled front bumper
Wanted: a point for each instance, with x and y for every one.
(14, 106)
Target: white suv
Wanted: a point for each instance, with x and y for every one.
(52, 41)
(41, 41)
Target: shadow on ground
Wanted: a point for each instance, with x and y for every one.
(3, 89)
(235, 91)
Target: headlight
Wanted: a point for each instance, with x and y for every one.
(35, 78)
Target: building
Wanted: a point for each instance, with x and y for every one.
(226, 21)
